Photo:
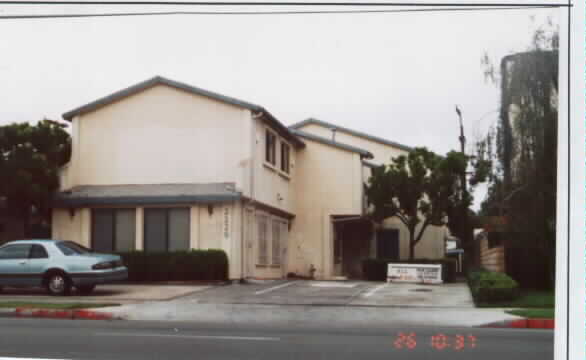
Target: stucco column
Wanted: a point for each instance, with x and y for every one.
(194, 227)
(139, 233)
(85, 226)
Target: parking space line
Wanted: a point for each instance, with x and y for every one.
(374, 290)
(274, 288)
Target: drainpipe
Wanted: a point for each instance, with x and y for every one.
(250, 202)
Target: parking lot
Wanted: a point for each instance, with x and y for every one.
(358, 293)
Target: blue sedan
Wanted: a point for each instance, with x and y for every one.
(58, 266)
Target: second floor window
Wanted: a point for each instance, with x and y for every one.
(271, 148)
(285, 157)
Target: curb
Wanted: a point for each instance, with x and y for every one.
(523, 324)
(58, 314)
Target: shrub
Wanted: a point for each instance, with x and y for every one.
(176, 266)
(376, 269)
(488, 286)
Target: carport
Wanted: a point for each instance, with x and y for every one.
(353, 237)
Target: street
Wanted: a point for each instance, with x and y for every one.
(113, 340)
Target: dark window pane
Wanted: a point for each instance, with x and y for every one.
(285, 157)
(77, 248)
(270, 147)
(155, 230)
(103, 230)
(15, 252)
(125, 229)
(179, 229)
(39, 252)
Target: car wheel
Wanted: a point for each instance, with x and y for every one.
(58, 284)
(86, 289)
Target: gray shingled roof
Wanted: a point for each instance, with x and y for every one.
(147, 194)
(300, 124)
(282, 129)
(363, 153)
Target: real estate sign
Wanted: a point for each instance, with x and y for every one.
(414, 273)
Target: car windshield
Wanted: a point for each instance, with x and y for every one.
(70, 248)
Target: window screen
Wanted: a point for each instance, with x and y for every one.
(263, 251)
(178, 229)
(155, 229)
(167, 229)
(276, 243)
(102, 230)
(125, 230)
(113, 229)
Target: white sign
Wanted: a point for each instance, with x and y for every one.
(414, 273)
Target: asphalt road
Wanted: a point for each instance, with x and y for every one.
(113, 340)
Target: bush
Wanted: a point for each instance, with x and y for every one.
(376, 269)
(488, 286)
(176, 266)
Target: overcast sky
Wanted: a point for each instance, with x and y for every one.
(396, 76)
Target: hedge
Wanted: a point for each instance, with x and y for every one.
(176, 266)
(376, 269)
(488, 286)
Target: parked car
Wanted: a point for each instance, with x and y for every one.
(57, 265)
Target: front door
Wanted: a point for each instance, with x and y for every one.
(387, 244)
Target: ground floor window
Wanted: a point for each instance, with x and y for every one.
(272, 234)
(166, 229)
(113, 230)
(263, 246)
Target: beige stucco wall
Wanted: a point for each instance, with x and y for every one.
(271, 185)
(74, 228)
(328, 182)
(432, 244)
(161, 135)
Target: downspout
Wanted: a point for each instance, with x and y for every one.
(250, 202)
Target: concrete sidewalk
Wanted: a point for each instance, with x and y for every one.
(311, 316)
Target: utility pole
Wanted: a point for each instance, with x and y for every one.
(462, 139)
(466, 236)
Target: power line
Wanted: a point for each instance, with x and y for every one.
(269, 3)
(168, 13)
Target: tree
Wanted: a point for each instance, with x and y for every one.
(30, 159)
(523, 145)
(418, 189)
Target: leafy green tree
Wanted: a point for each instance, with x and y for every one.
(30, 158)
(418, 188)
(522, 147)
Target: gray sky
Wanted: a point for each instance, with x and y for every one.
(392, 75)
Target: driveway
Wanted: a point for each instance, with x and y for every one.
(347, 293)
(115, 293)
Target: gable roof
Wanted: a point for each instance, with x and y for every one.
(159, 80)
(351, 132)
(363, 153)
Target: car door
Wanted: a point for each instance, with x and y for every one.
(14, 260)
(37, 263)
